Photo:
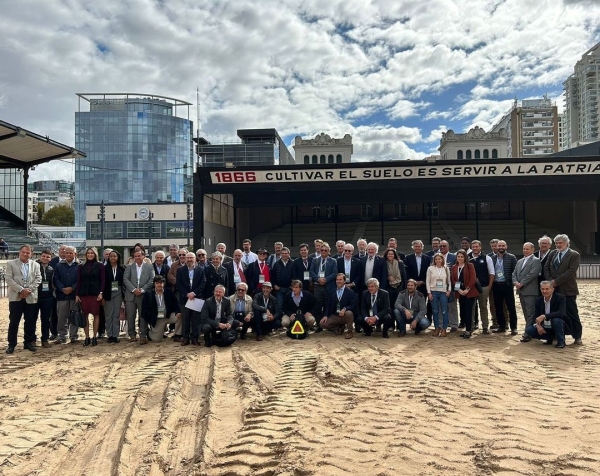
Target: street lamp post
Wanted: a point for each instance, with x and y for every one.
(188, 207)
(150, 234)
(102, 218)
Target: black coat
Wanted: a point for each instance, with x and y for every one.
(558, 310)
(349, 301)
(298, 270)
(150, 306)
(214, 277)
(231, 276)
(382, 301)
(109, 278)
(356, 276)
(164, 269)
(209, 312)
(183, 283)
(307, 304)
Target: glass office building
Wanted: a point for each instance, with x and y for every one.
(138, 151)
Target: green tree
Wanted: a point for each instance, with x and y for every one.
(40, 212)
(59, 216)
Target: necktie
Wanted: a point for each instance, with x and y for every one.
(218, 310)
(374, 303)
(241, 273)
(556, 262)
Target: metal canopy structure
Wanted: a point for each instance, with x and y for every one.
(23, 149)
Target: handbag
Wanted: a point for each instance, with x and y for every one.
(76, 317)
(122, 316)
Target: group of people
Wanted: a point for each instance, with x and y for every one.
(346, 291)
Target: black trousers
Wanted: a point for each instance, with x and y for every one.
(503, 293)
(321, 298)
(190, 323)
(16, 310)
(573, 313)
(210, 329)
(466, 311)
(46, 305)
(385, 320)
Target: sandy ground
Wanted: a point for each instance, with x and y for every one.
(323, 406)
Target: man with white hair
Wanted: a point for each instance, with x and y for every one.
(375, 309)
(160, 267)
(544, 244)
(561, 269)
(373, 265)
(221, 248)
(215, 274)
(361, 248)
(339, 246)
(525, 280)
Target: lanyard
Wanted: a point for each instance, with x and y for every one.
(114, 270)
(340, 293)
(160, 299)
(410, 299)
(266, 301)
(261, 267)
(305, 264)
(460, 270)
(323, 264)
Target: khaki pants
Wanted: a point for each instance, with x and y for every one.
(482, 301)
(336, 321)
(285, 321)
(156, 333)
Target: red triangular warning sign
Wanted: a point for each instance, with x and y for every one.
(297, 328)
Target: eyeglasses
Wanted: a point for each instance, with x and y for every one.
(201, 254)
(240, 289)
(347, 251)
(181, 255)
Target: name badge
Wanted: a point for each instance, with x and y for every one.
(237, 279)
(114, 285)
(306, 275)
(547, 324)
(347, 280)
(161, 313)
(371, 312)
(338, 308)
(261, 278)
(439, 284)
(321, 274)
(45, 286)
(457, 286)
(264, 316)
(500, 274)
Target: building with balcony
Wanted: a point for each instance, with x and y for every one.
(475, 144)
(581, 100)
(138, 150)
(256, 147)
(532, 128)
(323, 149)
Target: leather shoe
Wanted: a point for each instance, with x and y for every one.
(514, 332)
(385, 335)
(10, 349)
(184, 342)
(177, 339)
(560, 346)
(578, 342)
(401, 334)
(143, 341)
(499, 330)
(525, 338)
(259, 337)
(29, 346)
(46, 345)
(548, 342)
(349, 335)
(318, 329)
(194, 342)
(207, 343)
(243, 335)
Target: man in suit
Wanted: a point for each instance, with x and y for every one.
(301, 266)
(435, 246)
(54, 319)
(259, 272)
(172, 258)
(23, 278)
(241, 308)
(161, 268)
(393, 243)
(215, 274)
(65, 282)
(525, 280)
(138, 279)
(172, 275)
(248, 256)
(342, 308)
(221, 248)
(298, 301)
(561, 268)
(545, 244)
(237, 272)
(375, 309)
(552, 319)
(410, 308)
(281, 275)
(417, 264)
(191, 283)
(502, 289)
(322, 273)
(317, 254)
(484, 269)
(216, 316)
(373, 266)
(339, 249)
(266, 313)
(361, 249)
(46, 299)
(351, 267)
(160, 308)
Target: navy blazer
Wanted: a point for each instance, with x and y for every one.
(558, 310)
(214, 277)
(231, 276)
(150, 306)
(109, 278)
(412, 271)
(382, 302)
(183, 283)
(164, 270)
(355, 272)
(307, 304)
(298, 270)
(379, 271)
(330, 272)
(349, 301)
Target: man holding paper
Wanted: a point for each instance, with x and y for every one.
(190, 283)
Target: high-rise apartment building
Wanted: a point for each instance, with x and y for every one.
(532, 128)
(138, 150)
(581, 100)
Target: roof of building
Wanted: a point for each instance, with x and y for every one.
(21, 148)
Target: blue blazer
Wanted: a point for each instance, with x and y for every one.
(355, 272)
(330, 272)
(349, 301)
(183, 283)
(379, 271)
(411, 267)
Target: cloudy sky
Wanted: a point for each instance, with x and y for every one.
(393, 74)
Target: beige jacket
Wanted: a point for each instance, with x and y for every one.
(15, 282)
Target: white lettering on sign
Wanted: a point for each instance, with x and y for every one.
(408, 172)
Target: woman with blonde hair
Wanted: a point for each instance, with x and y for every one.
(439, 286)
(89, 291)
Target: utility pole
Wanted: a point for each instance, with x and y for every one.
(102, 217)
(188, 207)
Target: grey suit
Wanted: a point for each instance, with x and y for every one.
(19, 307)
(526, 273)
(133, 303)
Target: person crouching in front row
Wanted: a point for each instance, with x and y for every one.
(216, 316)
(410, 308)
(375, 309)
(159, 309)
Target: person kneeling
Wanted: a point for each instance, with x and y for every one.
(266, 313)
(410, 308)
(159, 309)
(298, 302)
(241, 305)
(342, 308)
(216, 322)
(375, 309)
(552, 320)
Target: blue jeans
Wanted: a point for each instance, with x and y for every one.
(401, 320)
(439, 300)
(558, 331)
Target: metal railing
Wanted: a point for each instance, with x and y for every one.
(588, 271)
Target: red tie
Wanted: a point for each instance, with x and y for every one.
(241, 273)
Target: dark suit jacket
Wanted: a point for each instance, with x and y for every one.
(213, 278)
(558, 310)
(543, 265)
(349, 301)
(109, 278)
(382, 302)
(355, 272)
(164, 270)
(150, 306)
(330, 272)
(298, 270)
(231, 276)
(412, 271)
(209, 312)
(183, 283)
(565, 276)
(379, 271)
(258, 306)
(307, 304)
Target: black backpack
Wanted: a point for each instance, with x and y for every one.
(298, 328)
(226, 338)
